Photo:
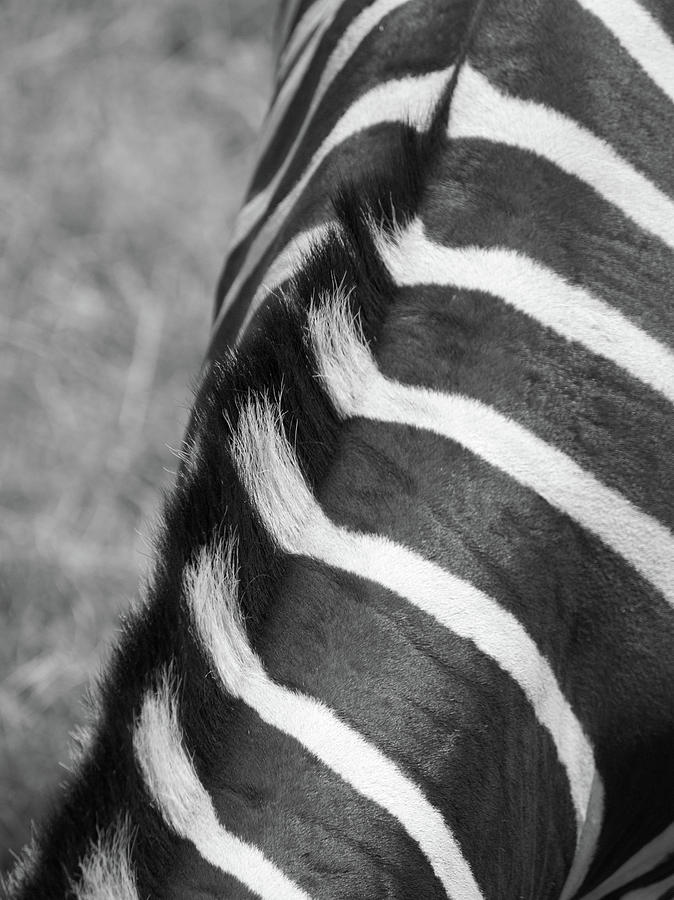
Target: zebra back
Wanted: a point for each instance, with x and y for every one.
(410, 627)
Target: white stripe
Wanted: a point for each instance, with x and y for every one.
(212, 592)
(315, 20)
(538, 292)
(362, 390)
(646, 860)
(358, 388)
(359, 29)
(296, 521)
(479, 110)
(587, 843)
(187, 807)
(407, 100)
(653, 891)
(105, 872)
(642, 37)
(285, 265)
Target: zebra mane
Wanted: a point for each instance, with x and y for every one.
(86, 846)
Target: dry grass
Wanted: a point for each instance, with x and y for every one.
(124, 150)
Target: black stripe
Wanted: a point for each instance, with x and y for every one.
(367, 153)
(659, 873)
(385, 54)
(284, 136)
(443, 712)
(190, 876)
(612, 425)
(493, 195)
(560, 55)
(419, 37)
(605, 632)
(315, 827)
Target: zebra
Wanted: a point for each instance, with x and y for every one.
(409, 632)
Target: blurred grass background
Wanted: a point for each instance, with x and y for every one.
(126, 129)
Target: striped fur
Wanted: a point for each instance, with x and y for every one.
(410, 630)
(647, 859)
(398, 101)
(308, 721)
(176, 788)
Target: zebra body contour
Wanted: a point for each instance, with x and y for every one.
(410, 631)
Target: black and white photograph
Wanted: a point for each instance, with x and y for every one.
(337, 472)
